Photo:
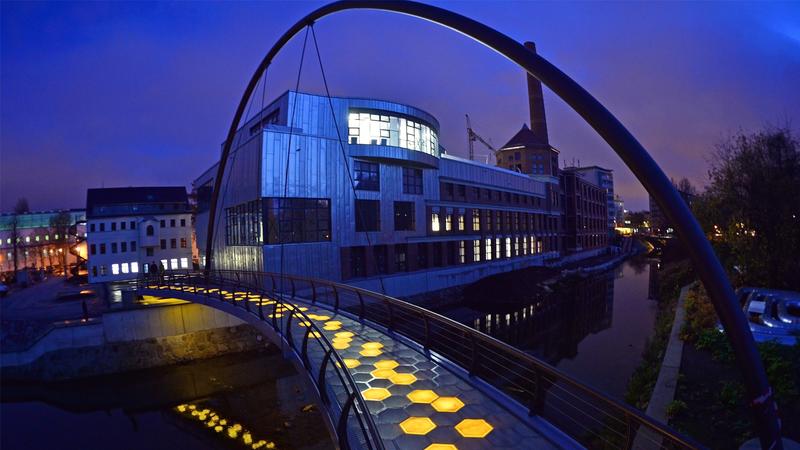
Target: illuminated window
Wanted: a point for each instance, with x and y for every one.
(435, 220)
(184, 263)
(539, 246)
(533, 245)
(448, 220)
(476, 220)
(488, 249)
(476, 250)
(366, 127)
(134, 267)
(46, 237)
(462, 252)
(516, 246)
(125, 268)
(27, 238)
(173, 263)
(460, 220)
(524, 245)
(115, 269)
(164, 264)
(508, 247)
(497, 248)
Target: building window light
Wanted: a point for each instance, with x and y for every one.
(497, 248)
(173, 263)
(134, 267)
(125, 268)
(115, 269)
(476, 250)
(164, 264)
(462, 252)
(488, 249)
(508, 247)
(461, 221)
(184, 263)
(448, 222)
(435, 221)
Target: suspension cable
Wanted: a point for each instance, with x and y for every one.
(289, 152)
(341, 146)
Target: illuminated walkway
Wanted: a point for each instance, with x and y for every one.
(415, 402)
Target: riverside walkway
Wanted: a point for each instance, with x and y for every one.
(392, 375)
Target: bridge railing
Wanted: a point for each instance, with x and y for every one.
(249, 292)
(586, 415)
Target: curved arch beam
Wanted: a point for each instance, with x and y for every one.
(617, 136)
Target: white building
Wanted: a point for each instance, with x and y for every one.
(131, 230)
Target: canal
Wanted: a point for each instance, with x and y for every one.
(243, 401)
(593, 328)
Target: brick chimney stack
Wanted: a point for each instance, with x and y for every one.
(536, 103)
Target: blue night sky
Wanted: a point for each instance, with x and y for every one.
(119, 94)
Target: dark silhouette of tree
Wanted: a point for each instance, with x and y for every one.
(60, 228)
(20, 208)
(752, 207)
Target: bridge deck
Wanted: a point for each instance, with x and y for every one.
(416, 402)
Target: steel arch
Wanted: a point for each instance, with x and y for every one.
(617, 136)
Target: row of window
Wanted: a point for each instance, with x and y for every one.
(474, 194)
(36, 238)
(133, 267)
(369, 127)
(367, 177)
(125, 225)
(454, 219)
(123, 247)
(383, 259)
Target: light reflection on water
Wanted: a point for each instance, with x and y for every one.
(594, 329)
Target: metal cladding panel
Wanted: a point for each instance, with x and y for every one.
(481, 174)
(394, 155)
(383, 105)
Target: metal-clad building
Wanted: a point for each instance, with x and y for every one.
(361, 192)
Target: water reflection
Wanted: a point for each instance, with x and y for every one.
(593, 328)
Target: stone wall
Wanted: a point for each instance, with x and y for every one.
(132, 340)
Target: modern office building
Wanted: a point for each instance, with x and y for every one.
(372, 199)
(41, 241)
(133, 229)
(585, 212)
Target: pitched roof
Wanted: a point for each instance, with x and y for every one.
(525, 138)
(128, 195)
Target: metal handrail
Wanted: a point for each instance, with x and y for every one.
(538, 386)
(354, 402)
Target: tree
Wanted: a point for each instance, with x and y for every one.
(20, 208)
(685, 187)
(753, 205)
(60, 228)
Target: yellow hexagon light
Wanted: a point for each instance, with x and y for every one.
(344, 334)
(339, 345)
(386, 364)
(372, 346)
(370, 352)
(351, 363)
(383, 373)
(441, 447)
(403, 378)
(376, 394)
(417, 425)
(474, 428)
(447, 404)
(422, 396)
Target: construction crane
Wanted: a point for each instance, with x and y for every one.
(472, 136)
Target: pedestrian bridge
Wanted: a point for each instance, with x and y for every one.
(392, 375)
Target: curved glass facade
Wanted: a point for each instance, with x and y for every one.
(380, 128)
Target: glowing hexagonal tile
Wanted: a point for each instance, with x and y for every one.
(422, 396)
(386, 364)
(372, 346)
(441, 447)
(323, 318)
(383, 373)
(417, 425)
(333, 323)
(447, 404)
(351, 363)
(343, 340)
(376, 394)
(474, 428)
(344, 334)
(331, 327)
(403, 378)
(370, 352)
(341, 345)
